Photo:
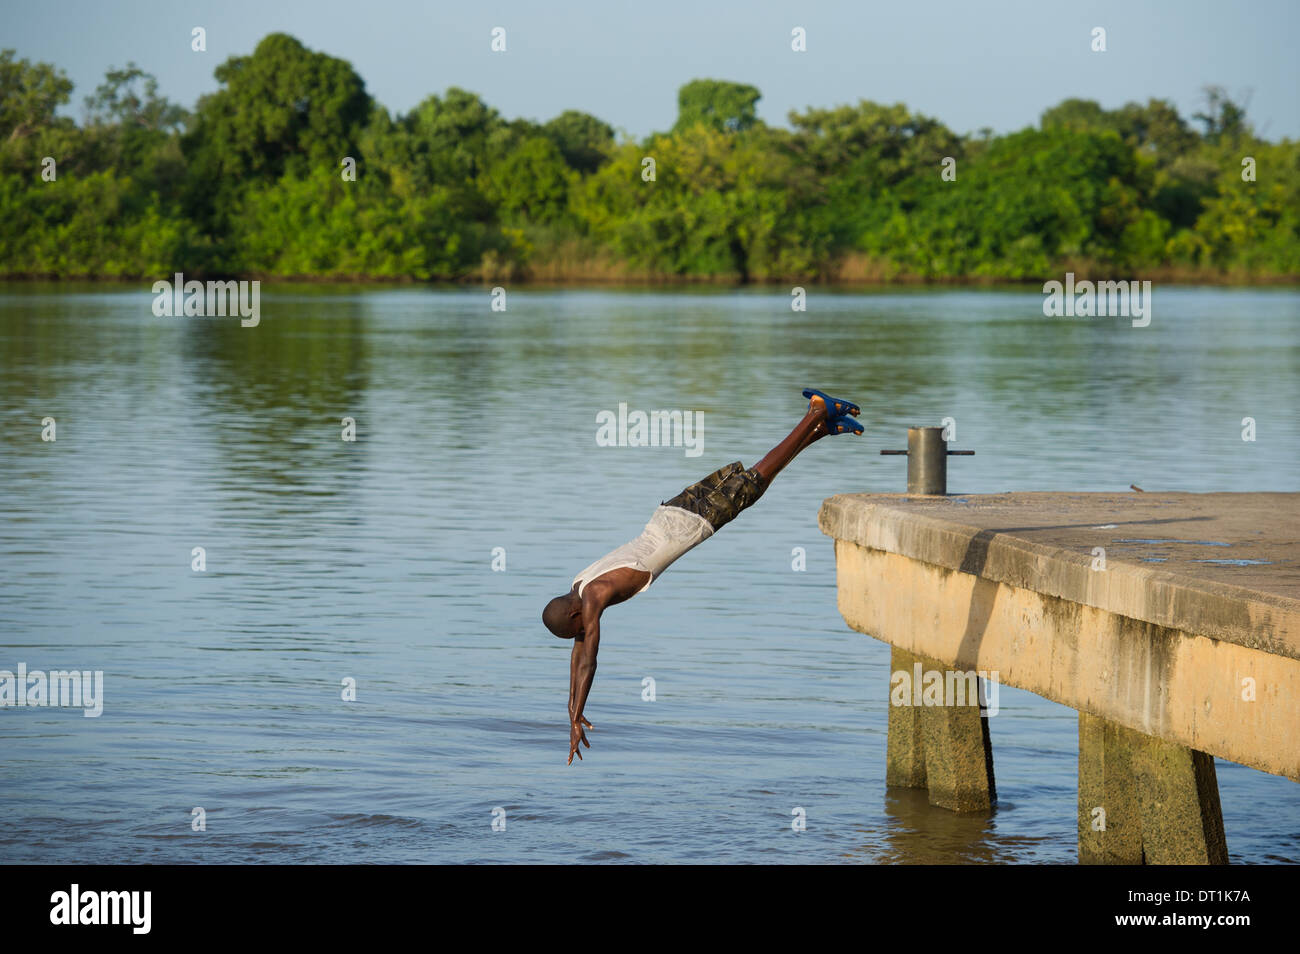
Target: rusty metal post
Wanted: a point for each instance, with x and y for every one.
(927, 461)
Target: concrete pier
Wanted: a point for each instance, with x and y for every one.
(1170, 621)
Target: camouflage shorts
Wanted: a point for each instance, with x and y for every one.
(720, 497)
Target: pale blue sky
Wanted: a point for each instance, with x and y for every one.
(996, 64)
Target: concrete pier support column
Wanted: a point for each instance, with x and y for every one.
(1182, 823)
(958, 757)
(942, 748)
(905, 751)
(1160, 799)
(1110, 819)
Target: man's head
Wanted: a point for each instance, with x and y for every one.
(563, 615)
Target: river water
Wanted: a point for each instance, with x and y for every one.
(415, 561)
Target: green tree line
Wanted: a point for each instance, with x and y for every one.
(254, 181)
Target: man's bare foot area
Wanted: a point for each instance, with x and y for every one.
(817, 411)
(836, 414)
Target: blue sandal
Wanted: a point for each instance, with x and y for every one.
(844, 425)
(834, 406)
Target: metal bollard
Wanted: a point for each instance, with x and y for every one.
(927, 460)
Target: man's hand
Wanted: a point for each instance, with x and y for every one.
(577, 736)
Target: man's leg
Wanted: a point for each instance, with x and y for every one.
(812, 428)
(720, 497)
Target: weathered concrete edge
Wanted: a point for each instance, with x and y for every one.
(1263, 621)
(1180, 687)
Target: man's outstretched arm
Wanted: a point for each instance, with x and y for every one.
(574, 658)
(605, 591)
(582, 671)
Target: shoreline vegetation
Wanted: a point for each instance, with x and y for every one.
(290, 171)
(630, 278)
(853, 274)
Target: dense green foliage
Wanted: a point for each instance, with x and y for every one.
(254, 181)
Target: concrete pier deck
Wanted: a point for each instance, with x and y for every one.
(1170, 621)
